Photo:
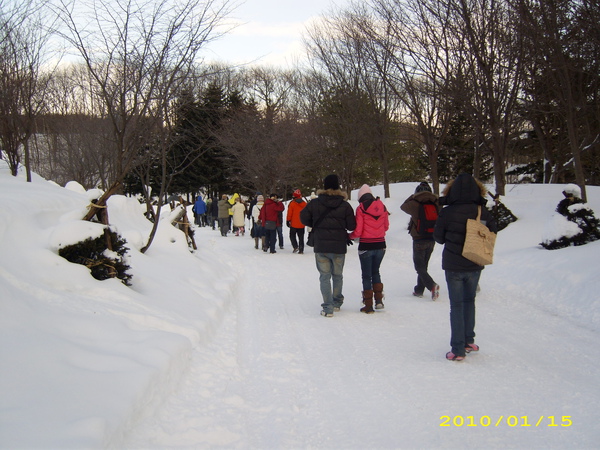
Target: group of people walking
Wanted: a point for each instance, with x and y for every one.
(334, 225)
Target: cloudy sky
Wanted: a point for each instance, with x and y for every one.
(269, 32)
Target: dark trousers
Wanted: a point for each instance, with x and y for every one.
(271, 238)
(422, 250)
(224, 225)
(462, 288)
(297, 238)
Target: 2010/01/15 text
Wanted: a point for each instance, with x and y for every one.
(511, 421)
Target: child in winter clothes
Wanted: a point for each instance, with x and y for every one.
(372, 222)
(422, 245)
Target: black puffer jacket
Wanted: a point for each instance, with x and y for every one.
(463, 197)
(331, 233)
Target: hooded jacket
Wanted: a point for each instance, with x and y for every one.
(462, 198)
(295, 207)
(331, 233)
(239, 214)
(270, 212)
(372, 222)
(199, 206)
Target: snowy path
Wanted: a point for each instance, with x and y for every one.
(277, 375)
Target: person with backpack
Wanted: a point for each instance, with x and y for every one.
(423, 207)
(372, 222)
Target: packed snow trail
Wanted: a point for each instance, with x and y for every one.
(278, 375)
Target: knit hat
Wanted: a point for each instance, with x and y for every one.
(364, 189)
(260, 198)
(297, 193)
(424, 186)
(331, 182)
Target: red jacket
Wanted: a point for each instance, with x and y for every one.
(293, 212)
(269, 211)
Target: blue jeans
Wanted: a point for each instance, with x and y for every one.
(462, 288)
(330, 267)
(422, 250)
(370, 261)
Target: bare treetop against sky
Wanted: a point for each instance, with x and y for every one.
(268, 32)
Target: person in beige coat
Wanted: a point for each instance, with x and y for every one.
(239, 217)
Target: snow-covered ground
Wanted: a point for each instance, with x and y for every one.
(225, 347)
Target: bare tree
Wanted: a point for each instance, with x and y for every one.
(25, 30)
(139, 54)
(413, 54)
(563, 46)
(342, 46)
(72, 141)
(490, 73)
(265, 136)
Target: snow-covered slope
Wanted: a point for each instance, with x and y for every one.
(225, 348)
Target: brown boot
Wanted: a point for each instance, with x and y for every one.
(378, 291)
(368, 301)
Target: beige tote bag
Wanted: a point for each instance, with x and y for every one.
(479, 242)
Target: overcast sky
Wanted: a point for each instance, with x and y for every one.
(269, 31)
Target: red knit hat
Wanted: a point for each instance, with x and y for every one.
(297, 193)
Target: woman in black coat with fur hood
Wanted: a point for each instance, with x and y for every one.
(462, 198)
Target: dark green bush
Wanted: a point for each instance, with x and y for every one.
(91, 253)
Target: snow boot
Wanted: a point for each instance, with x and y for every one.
(368, 302)
(378, 291)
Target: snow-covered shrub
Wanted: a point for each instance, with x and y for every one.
(102, 262)
(574, 223)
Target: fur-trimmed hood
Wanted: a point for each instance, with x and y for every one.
(333, 192)
(464, 189)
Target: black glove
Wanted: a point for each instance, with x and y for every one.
(289, 224)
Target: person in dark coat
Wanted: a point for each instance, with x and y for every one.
(463, 196)
(223, 208)
(331, 218)
(422, 245)
(214, 212)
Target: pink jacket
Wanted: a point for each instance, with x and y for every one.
(372, 224)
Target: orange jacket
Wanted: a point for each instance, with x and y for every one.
(293, 212)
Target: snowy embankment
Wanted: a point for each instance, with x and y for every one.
(225, 347)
